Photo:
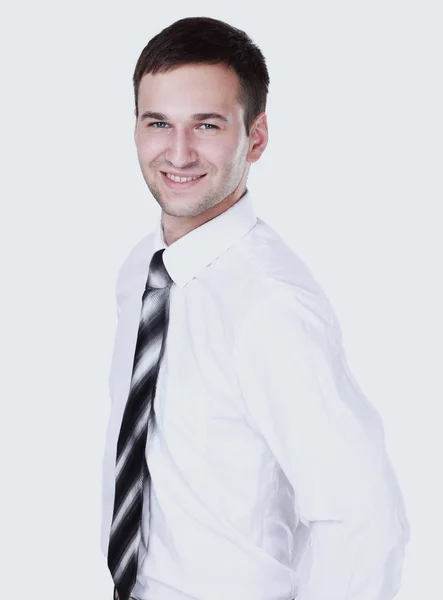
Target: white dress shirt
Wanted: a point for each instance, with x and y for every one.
(270, 478)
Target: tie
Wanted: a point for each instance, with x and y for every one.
(131, 467)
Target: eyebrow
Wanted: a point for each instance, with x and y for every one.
(149, 114)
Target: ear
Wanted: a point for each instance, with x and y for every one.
(258, 137)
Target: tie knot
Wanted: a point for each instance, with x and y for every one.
(158, 276)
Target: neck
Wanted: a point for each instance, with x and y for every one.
(176, 227)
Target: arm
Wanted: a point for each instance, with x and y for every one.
(329, 441)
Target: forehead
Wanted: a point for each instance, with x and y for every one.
(190, 88)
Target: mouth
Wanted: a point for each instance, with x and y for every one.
(180, 185)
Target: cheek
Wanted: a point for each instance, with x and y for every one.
(222, 154)
(146, 154)
(148, 146)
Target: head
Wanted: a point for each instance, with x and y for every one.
(200, 90)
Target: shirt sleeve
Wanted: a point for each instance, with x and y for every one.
(329, 441)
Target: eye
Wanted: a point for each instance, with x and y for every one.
(209, 125)
(154, 125)
(157, 123)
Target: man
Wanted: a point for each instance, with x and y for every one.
(242, 460)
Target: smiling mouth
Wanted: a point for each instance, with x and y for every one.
(165, 173)
(179, 186)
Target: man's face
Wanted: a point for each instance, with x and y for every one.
(181, 142)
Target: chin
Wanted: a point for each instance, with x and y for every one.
(183, 209)
(183, 212)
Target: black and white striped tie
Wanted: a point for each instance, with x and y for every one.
(131, 467)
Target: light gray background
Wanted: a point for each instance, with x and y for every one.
(351, 178)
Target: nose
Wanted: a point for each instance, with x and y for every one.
(180, 151)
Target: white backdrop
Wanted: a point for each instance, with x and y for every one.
(351, 178)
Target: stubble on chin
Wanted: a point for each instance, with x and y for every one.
(181, 207)
(178, 207)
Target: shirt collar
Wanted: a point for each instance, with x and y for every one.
(185, 258)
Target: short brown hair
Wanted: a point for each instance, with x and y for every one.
(194, 40)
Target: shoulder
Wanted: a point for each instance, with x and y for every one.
(279, 283)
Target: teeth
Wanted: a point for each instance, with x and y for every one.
(181, 179)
